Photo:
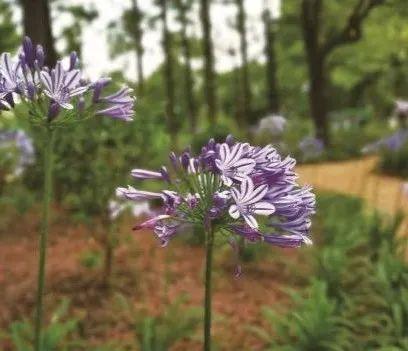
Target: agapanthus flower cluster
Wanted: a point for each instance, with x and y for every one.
(311, 148)
(392, 143)
(18, 140)
(272, 124)
(235, 188)
(60, 91)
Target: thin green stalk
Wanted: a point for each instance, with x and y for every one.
(47, 194)
(207, 299)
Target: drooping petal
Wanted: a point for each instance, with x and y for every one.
(150, 223)
(145, 174)
(264, 208)
(290, 241)
(234, 212)
(250, 220)
(244, 166)
(246, 189)
(255, 195)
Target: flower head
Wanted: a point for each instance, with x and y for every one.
(118, 105)
(62, 92)
(311, 148)
(273, 124)
(61, 86)
(231, 163)
(237, 188)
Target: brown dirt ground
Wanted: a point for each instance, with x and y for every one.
(140, 268)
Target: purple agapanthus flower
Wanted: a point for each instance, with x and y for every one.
(311, 148)
(62, 90)
(237, 189)
(232, 164)
(249, 202)
(273, 124)
(61, 86)
(118, 105)
(393, 143)
(10, 77)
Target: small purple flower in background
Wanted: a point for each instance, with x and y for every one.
(236, 188)
(392, 143)
(24, 146)
(272, 124)
(311, 148)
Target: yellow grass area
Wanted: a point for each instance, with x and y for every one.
(358, 178)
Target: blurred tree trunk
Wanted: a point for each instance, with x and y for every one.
(245, 79)
(209, 74)
(168, 74)
(188, 74)
(318, 50)
(37, 25)
(271, 65)
(138, 37)
(311, 13)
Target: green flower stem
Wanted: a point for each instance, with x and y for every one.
(207, 299)
(47, 194)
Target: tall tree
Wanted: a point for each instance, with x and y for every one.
(319, 44)
(138, 38)
(271, 65)
(183, 6)
(37, 25)
(168, 72)
(244, 76)
(208, 52)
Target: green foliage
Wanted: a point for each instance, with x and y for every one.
(55, 336)
(313, 325)
(394, 162)
(91, 259)
(160, 333)
(358, 298)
